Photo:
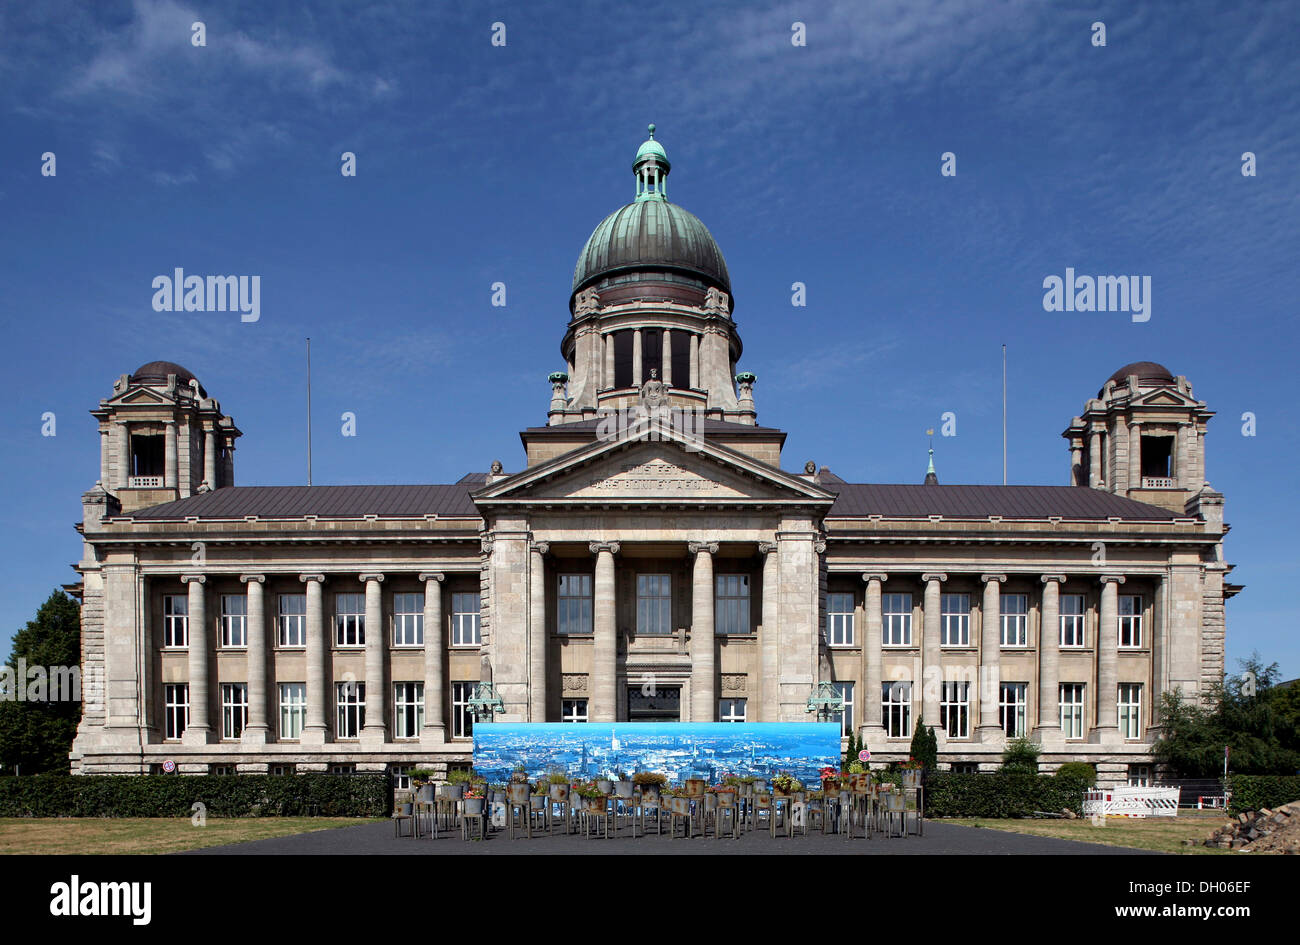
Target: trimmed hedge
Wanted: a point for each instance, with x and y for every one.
(1001, 794)
(1253, 791)
(171, 795)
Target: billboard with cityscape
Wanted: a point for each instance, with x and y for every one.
(679, 750)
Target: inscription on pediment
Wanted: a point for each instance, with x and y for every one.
(653, 475)
(657, 476)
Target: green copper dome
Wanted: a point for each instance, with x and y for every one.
(650, 234)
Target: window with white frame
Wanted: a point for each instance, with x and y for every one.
(1013, 708)
(408, 709)
(1072, 710)
(845, 718)
(731, 604)
(1014, 611)
(731, 710)
(896, 708)
(573, 604)
(293, 709)
(839, 619)
(465, 607)
(176, 709)
(401, 776)
(350, 619)
(224, 770)
(234, 620)
(291, 620)
(343, 768)
(1130, 620)
(234, 709)
(350, 698)
(281, 771)
(654, 604)
(573, 710)
(1072, 616)
(954, 708)
(462, 720)
(176, 621)
(1130, 710)
(1139, 775)
(896, 615)
(408, 619)
(964, 767)
(954, 620)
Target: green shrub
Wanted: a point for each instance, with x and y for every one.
(1021, 755)
(1253, 791)
(171, 795)
(1002, 794)
(1078, 769)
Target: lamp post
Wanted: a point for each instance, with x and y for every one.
(826, 701)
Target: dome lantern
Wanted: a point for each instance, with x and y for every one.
(651, 168)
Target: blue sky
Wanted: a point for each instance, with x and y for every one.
(818, 164)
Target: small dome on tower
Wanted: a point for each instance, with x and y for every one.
(154, 374)
(1149, 374)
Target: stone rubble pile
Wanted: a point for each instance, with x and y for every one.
(1260, 831)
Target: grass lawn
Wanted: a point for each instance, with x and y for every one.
(1160, 834)
(148, 834)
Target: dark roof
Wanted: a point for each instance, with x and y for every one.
(299, 501)
(1148, 374)
(472, 478)
(1072, 502)
(651, 235)
(155, 373)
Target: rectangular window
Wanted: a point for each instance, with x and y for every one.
(293, 709)
(954, 627)
(654, 604)
(234, 709)
(176, 709)
(291, 621)
(731, 710)
(465, 619)
(1072, 614)
(845, 718)
(350, 619)
(401, 776)
(1072, 709)
(281, 771)
(350, 697)
(731, 604)
(1139, 775)
(839, 619)
(573, 710)
(343, 768)
(234, 620)
(896, 708)
(964, 767)
(1013, 708)
(573, 604)
(225, 770)
(408, 620)
(1130, 620)
(408, 709)
(1014, 609)
(176, 621)
(954, 709)
(896, 612)
(462, 721)
(1130, 710)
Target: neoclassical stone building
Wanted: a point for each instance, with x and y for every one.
(651, 560)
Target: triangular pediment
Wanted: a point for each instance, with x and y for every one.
(1164, 397)
(142, 397)
(653, 470)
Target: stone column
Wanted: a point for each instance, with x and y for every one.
(169, 454)
(1094, 460)
(537, 633)
(1107, 693)
(609, 360)
(374, 733)
(667, 358)
(1049, 659)
(704, 691)
(1135, 456)
(317, 658)
(1182, 465)
(636, 357)
(123, 454)
(257, 729)
(770, 644)
(434, 732)
(105, 456)
(695, 360)
(872, 728)
(990, 728)
(228, 465)
(1076, 463)
(210, 458)
(604, 707)
(199, 730)
(931, 673)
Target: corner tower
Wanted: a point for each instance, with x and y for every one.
(651, 302)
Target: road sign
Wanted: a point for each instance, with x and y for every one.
(864, 755)
(169, 766)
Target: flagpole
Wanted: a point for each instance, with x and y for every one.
(309, 411)
(1004, 415)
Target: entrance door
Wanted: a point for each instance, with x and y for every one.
(654, 704)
